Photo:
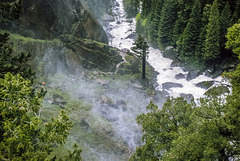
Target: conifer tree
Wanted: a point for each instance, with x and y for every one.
(236, 13)
(154, 23)
(225, 23)
(140, 48)
(146, 7)
(191, 32)
(184, 10)
(211, 45)
(204, 21)
(166, 23)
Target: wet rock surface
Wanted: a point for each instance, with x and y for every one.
(180, 76)
(48, 20)
(169, 85)
(193, 74)
(187, 97)
(205, 84)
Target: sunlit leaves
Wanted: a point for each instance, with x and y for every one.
(23, 136)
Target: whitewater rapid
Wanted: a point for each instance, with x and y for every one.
(122, 37)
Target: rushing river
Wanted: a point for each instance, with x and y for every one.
(122, 30)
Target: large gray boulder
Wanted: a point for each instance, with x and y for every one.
(51, 18)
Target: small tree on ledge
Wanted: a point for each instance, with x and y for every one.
(140, 48)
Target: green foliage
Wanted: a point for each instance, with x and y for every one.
(191, 33)
(203, 31)
(183, 131)
(131, 7)
(211, 44)
(161, 127)
(10, 10)
(153, 22)
(184, 9)
(13, 63)
(169, 23)
(225, 23)
(23, 136)
(140, 48)
(233, 37)
(166, 23)
(146, 5)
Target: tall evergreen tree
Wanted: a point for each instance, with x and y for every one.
(140, 48)
(184, 10)
(211, 45)
(236, 13)
(166, 23)
(146, 7)
(154, 22)
(191, 33)
(205, 18)
(225, 23)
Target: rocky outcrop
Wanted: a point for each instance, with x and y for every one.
(70, 55)
(93, 55)
(51, 18)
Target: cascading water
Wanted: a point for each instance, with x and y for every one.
(121, 33)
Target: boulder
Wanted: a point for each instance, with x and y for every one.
(92, 54)
(205, 84)
(169, 85)
(120, 104)
(193, 74)
(175, 63)
(180, 76)
(106, 100)
(217, 90)
(48, 20)
(131, 36)
(187, 97)
(169, 53)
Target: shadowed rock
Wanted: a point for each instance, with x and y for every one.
(193, 74)
(169, 85)
(187, 97)
(205, 84)
(180, 76)
(50, 19)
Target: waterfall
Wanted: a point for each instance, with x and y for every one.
(122, 30)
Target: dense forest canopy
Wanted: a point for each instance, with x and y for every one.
(196, 28)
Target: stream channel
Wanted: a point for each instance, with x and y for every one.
(122, 33)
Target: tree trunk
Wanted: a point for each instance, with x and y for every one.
(144, 62)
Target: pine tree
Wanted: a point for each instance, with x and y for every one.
(154, 22)
(236, 13)
(225, 23)
(146, 7)
(184, 10)
(140, 48)
(166, 23)
(191, 33)
(211, 45)
(203, 31)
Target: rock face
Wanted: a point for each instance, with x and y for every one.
(102, 9)
(51, 18)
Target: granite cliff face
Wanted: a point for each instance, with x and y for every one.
(51, 18)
